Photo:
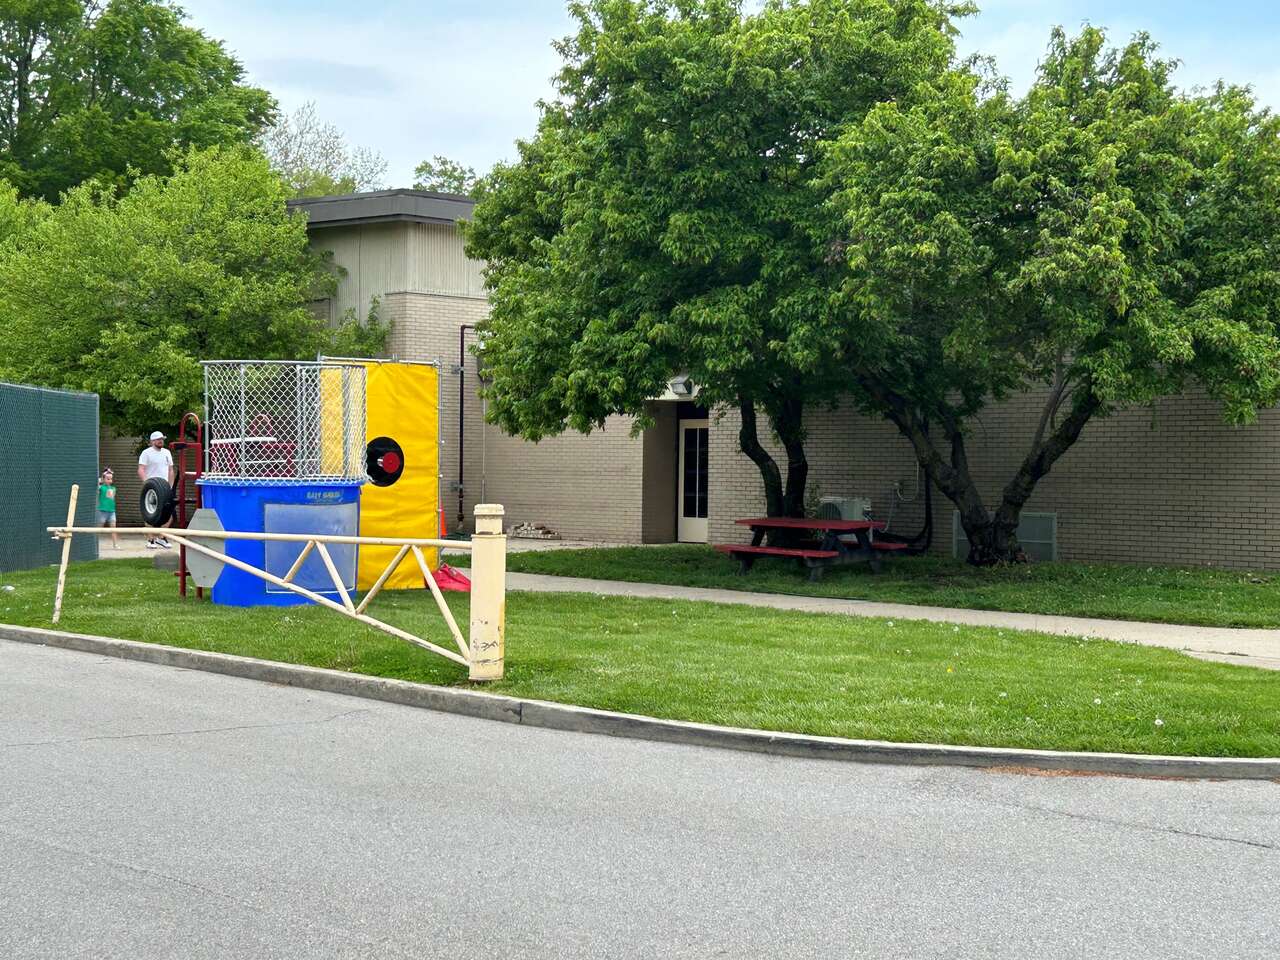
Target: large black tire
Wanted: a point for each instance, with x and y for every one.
(156, 502)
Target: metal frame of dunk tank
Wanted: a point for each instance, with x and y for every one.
(371, 365)
(285, 453)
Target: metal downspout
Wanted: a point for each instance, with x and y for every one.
(462, 418)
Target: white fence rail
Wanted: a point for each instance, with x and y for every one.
(482, 652)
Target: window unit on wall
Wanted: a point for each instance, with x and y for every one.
(1037, 532)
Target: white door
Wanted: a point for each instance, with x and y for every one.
(691, 507)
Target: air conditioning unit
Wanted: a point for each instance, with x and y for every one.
(844, 508)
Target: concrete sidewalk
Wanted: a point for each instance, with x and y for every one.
(1256, 648)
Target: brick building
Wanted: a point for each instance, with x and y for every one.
(1166, 484)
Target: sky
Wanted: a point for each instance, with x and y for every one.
(462, 79)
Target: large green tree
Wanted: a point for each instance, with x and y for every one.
(1103, 241)
(124, 296)
(314, 158)
(662, 220)
(444, 176)
(92, 90)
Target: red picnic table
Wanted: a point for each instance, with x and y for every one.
(832, 548)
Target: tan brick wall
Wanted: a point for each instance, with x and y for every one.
(1168, 484)
(121, 455)
(848, 455)
(584, 487)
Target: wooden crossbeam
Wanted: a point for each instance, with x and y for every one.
(297, 564)
(318, 598)
(333, 573)
(274, 537)
(444, 607)
(377, 585)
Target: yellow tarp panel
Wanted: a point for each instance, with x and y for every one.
(402, 402)
(331, 441)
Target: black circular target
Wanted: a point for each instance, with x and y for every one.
(384, 461)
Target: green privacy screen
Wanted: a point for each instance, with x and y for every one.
(48, 441)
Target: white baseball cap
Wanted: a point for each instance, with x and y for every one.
(157, 435)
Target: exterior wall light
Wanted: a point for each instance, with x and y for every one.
(681, 386)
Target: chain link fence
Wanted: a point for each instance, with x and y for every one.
(284, 422)
(48, 441)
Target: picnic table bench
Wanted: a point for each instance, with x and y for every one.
(832, 549)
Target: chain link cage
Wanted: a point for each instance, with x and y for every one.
(273, 422)
(48, 441)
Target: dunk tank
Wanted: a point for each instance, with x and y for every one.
(332, 447)
(285, 453)
(336, 447)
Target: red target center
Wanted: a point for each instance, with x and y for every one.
(389, 461)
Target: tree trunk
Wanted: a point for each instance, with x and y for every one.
(991, 543)
(993, 537)
(780, 501)
(749, 441)
(993, 540)
(788, 424)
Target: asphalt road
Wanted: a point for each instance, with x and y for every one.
(148, 812)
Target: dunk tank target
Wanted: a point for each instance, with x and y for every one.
(285, 448)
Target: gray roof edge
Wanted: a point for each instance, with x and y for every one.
(421, 205)
(314, 224)
(397, 192)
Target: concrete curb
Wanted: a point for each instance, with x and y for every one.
(555, 716)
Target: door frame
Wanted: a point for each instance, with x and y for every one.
(688, 529)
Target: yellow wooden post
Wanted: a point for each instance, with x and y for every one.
(488, 592)
(66, 553)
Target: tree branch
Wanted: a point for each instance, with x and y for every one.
(1052, 405)
(1043, 456)
(952, 477)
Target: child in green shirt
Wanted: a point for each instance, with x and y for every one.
(107, 504)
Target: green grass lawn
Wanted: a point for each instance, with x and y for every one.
(1227, 598)
(734, 665)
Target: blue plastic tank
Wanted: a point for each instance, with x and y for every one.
(327, 508)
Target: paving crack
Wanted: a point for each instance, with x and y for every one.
(160, 734)
(1128, 824)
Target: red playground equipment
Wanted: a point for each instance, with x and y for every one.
(188, 463)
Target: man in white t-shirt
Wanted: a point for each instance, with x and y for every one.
(156, 461)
